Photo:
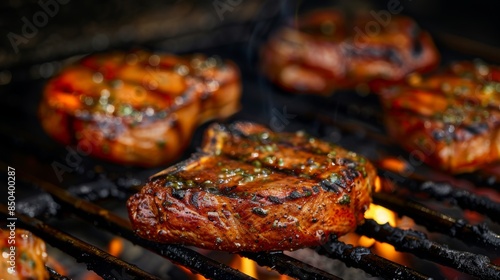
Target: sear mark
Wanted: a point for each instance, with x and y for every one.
(275, 199)
(179, 194)
(328, 185)
(194, 199)
(259, 211)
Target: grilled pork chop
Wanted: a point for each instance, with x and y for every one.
(251, 189)
(451, 120)
(29, 259)
(137, 107)
(321, 52)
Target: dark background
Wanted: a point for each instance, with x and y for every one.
(80, 27)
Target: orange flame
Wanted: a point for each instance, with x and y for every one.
(378, 213)
(393, 164)
(284, 277)
(245, 265)
(378, 184)
(192, 275)
(115, 246)
(90, 275)
(381, 215)
(356, 239)
(57, 266)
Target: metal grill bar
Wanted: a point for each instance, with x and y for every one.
(416, 242)
(90, 212)
(361, 257)
(54, 275)
(477, 235)
(96, 259)
(289, 266)
(463, 198)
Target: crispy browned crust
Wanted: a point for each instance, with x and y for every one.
(451, 119)
(251, 189)
(30, 256)
(137, 107)
(321, 53)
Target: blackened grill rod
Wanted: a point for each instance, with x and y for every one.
(103, 218)
(289, 266)
(95, 259)
(463, 198)
(416, 242)
(361, 257)
(56, 276)
(478, 235)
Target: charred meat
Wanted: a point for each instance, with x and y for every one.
(322, 52)
(137, 108)
(451, 119)
(251, 189)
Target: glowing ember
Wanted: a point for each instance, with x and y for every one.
(245, 265)
(381, 215)
(393, 164)
(91, 276)
(57, 266)
(191, 274)
(284, 277)
(115, 247)
(378, 184)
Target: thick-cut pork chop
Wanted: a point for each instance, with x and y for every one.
(251, 189)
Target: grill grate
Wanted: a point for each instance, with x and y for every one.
(289, 266)
(435, 221)
(96, 259)
(55, 276)
(463, 198)
(416, 243)
(360, 257)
